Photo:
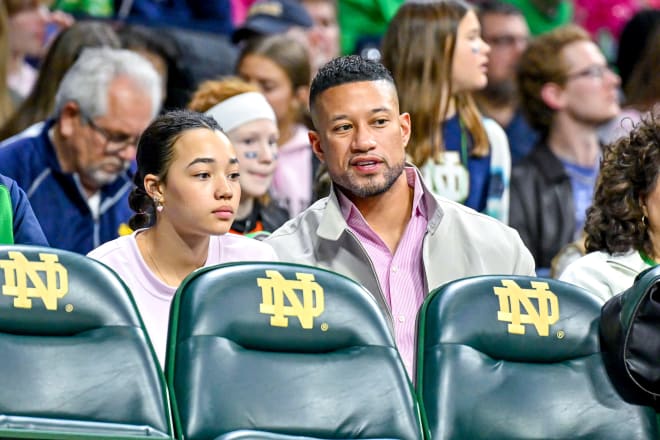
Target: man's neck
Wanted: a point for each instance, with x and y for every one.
(388, 214)
(574, 142)
(498, 101)
(65, 156)
(66, 159)
(502, 114)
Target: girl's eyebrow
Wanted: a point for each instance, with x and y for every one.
(232, 161)
(201, 160)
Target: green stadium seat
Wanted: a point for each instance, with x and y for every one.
(76, 360)
(286, 350)
(518, 358)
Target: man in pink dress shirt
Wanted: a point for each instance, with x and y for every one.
(380, 225)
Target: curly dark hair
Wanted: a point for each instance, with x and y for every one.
(628, 174)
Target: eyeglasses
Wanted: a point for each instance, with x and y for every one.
(121, 141)
(595, 71)
(506, 41)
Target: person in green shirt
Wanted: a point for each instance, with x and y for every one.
(544, 15)
(359, 19)
(18, 224)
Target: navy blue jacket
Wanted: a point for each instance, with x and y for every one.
(212, 16)
(57, 199)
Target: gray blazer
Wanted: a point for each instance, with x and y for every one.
(459, 242)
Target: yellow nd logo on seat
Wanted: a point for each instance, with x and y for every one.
(540, 304)
(23, 280)
(275, 289)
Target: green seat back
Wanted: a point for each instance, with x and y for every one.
(518, 358)
(285, 349)
(76, 361)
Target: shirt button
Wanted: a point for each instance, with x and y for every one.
(394, 269)
(402, 318)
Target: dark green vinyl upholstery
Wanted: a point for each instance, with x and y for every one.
(285, 349)
(76, 362)
(518, 358)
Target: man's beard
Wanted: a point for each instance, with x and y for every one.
(500, 94)
(101, 178)
(371, 188)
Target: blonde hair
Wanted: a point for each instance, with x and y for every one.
(210, 93)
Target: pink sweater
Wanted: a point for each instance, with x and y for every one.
(152, 296)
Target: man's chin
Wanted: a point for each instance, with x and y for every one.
(366, 188)
(105, 175)
(103, 178)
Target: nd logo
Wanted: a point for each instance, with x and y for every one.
(448, 178)
(23, 280)
(540, 304)
(275, 289)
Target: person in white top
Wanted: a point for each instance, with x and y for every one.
(623, 223)
(186, 196)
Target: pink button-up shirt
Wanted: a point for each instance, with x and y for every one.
(400, 275)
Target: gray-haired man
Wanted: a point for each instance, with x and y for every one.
(75, 166)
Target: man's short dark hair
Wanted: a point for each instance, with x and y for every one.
(485, 7)
(347, 69)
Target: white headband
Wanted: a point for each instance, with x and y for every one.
(240, 109)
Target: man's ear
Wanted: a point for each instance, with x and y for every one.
(553, 95)
(406, 128)
(68, 118)
(315, 141)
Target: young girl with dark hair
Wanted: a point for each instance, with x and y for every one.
(186, 197)
(250, 123)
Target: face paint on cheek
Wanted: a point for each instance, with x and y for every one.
(475, 47)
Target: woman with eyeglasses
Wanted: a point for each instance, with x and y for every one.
(185, 200)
